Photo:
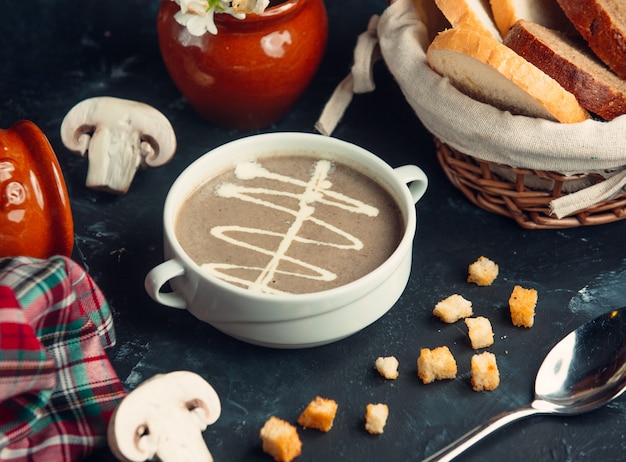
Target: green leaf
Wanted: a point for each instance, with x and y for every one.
(217, 5)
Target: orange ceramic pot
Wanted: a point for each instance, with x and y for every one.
(250, 74)
(35, 216)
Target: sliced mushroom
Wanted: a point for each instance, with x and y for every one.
(118, 136)
(163, 419)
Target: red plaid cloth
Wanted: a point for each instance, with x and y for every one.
(57, 387)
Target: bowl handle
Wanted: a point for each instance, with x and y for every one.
(156, 279)
(415, 178)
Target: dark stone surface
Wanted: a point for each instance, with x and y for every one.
(54, 53)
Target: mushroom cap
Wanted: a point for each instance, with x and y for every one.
(176, 401)
(153, 128)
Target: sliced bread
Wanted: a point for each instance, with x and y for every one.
(548, 13)
(602, 23)
(570, 62)
(489, 71)
(470, 14)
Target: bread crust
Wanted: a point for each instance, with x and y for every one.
(572, 65)
(470, 14)
(602, 25)
(548, 13)
(559, 104)
(503, 14)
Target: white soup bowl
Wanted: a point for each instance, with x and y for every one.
(287, 320)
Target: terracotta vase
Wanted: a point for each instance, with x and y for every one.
(251, 73)
(35, 216)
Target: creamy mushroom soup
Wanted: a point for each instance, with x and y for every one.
(290, 224)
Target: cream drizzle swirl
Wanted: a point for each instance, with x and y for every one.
(316, 190)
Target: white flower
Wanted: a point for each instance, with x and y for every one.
(250, 6)
(194, 6)
(198, 15)
(197, 24)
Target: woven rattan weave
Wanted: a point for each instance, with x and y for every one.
(511, 196)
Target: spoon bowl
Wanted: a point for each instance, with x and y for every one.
(584, 371)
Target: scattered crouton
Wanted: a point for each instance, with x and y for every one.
(436, 364)
(319, 414)
(482, 272)
(376, 418)
(387, 367)
(522, 306)
(480, 332)
(453, 308)
(485, 374)
(280, 440)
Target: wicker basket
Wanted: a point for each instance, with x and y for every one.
(494, 140)
(512, 197)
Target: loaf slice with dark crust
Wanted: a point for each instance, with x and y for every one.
(571, 63)
(602, 23)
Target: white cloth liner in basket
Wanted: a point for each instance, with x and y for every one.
(400, 37)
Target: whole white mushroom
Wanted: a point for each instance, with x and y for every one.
(118, 136)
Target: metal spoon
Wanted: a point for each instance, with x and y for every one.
(584, 371)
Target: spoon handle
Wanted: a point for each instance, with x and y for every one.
(473, 436)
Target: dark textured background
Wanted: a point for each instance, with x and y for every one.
(54, 53)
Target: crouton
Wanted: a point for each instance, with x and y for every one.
(522, 306)
(387, 367)
(319, 414)
(453, 308)
(482, 272)
(376, 418)
(479, 331)
(485, 374)
(436, 364)
(280, 440)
